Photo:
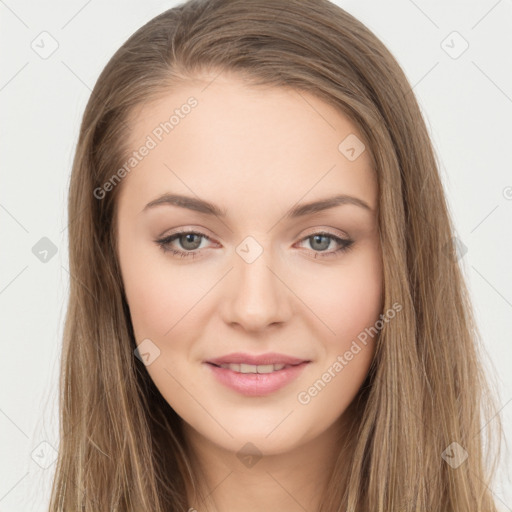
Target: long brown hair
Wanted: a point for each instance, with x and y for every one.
(121, 446)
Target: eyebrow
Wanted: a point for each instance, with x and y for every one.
(301, 210)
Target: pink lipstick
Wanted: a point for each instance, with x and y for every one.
(256, 375)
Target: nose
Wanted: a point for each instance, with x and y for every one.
(256, 295)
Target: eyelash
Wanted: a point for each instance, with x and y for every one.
(163, 243)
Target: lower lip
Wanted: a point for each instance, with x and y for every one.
(257, 384)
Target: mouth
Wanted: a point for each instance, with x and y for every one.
(247, 362)
(254, 368)
(256, 375)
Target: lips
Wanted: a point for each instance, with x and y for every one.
(256, 374)
(256, 380)
(270, 358)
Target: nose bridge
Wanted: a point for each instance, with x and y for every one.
(258, 296)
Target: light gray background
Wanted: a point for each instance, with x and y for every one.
(467, 103)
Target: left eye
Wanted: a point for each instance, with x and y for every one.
(191, 241)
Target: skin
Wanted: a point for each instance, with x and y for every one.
(255, 152)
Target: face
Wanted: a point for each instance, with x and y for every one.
(219, 256)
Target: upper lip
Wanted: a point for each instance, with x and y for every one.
(268, 358)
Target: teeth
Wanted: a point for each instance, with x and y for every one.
(252, 368)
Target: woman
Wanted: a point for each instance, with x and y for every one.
(267, 310)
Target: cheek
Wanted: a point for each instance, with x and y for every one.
(158, 292)
(148, 294)
(351, 305)
(349, 298)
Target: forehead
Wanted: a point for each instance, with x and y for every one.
(214, 136)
